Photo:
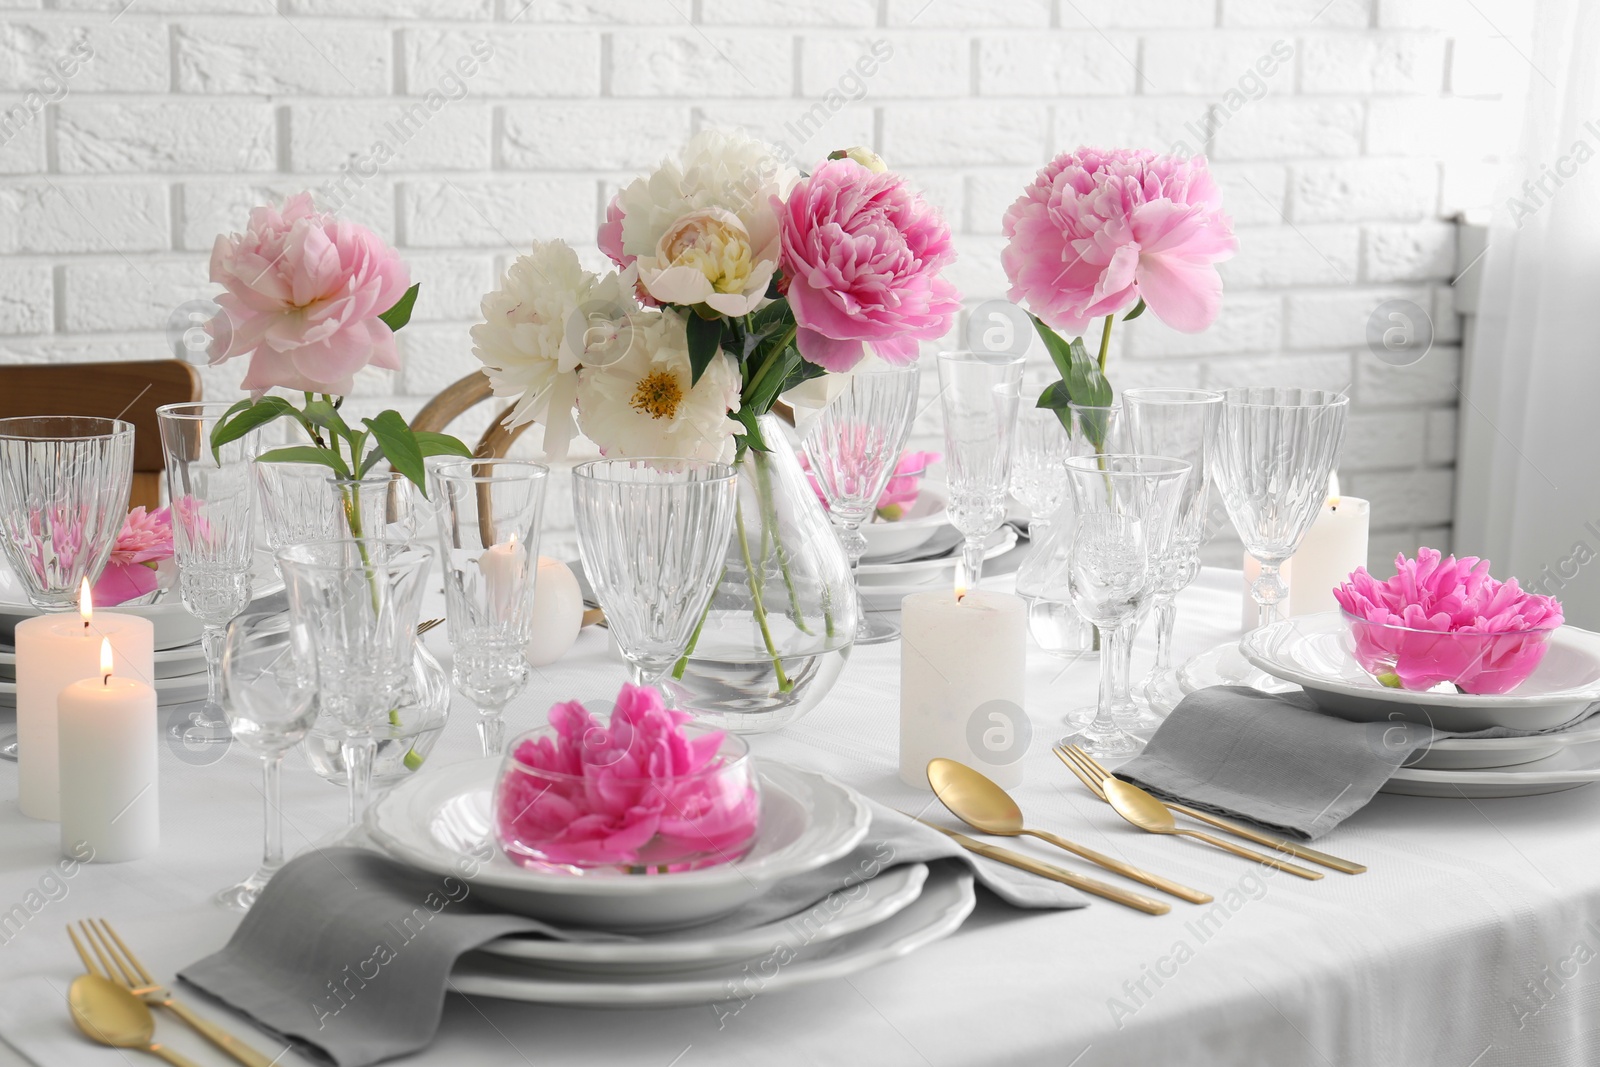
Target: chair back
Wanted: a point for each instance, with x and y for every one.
(128, 391)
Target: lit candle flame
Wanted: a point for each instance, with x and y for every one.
(1333, 502)
(105, 660)
(85, 603)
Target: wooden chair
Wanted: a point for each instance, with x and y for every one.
(127, 391)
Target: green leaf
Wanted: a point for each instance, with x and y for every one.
(323, 413)
(760, 400)
(440, 444)
(400, 314)
(1138, 309)
(751, 438)
(399, 446)
(1054, 396)
(246, 416)
(1055, 344)
(1084, 381)
(306, 454)
(705, 338)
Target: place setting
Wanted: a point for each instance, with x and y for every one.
(843, 672)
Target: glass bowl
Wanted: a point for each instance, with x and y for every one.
(573, 823)
(1479, 663)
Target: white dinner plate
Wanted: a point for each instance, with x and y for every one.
(1570, 768)
(926, 517)
(181, 689)
(440, 821)
(843, 913)
(1310, 651)
(880, 577)
(946, 901)
(169, 662)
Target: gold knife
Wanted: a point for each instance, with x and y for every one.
(1136, 901)
(1299, 851)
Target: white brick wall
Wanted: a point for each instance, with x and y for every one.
(1341, 159)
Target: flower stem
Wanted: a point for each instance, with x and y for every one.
(1105, 342)
(784, 684)
(768, 363)
(769, 521)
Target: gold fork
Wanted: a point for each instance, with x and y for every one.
(1149, 814)
(1279, 844)
(120, 965)
(426, 625)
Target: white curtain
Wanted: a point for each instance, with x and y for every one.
(1528, 474)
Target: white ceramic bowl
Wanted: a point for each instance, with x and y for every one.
(926, 516)
(440, 821)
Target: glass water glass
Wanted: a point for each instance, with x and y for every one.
(1271, 457)
(488, 513)
(1177, 423)
(354, 603)
(980, 396)
(853, 446)
(1125, 507)
(269, 697)
(652, 533)
(212, 498)
(303, 502)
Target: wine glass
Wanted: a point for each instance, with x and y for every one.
(269, 697)
(1177, 423)
(354, 603)
(853, 446)
(488, 513)
(980, 395)
(1039, 466)
(1125, 507)
(64, 484)
(1273, 451)
(212, 496)
(1055, 625)
(652, 533)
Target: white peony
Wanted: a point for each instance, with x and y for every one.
(548, 318)
(642, 404)
(703, 226)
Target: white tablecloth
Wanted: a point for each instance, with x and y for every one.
(1471, 942)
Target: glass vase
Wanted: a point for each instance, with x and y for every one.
(783, 618)
(413, 729)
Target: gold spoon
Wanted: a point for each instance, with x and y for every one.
(111, 1015)
(1148, 813)
(980, 803)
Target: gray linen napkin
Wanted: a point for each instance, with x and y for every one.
(1277, 761)
(348, 952)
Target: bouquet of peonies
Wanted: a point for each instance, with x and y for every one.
(736, 280)
(311, 300)
(1098, 233)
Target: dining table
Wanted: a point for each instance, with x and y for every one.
(1470, 941)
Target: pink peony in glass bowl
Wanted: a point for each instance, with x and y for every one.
(641, 791)
(1441, 620)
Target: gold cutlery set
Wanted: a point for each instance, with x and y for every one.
(111, 1002)
(989, 809)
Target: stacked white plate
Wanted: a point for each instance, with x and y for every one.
(917, 552)
(647, 947)
(1312, 652)
(179, 662)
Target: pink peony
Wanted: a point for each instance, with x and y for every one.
(1097, 231)
(145, 538)
(304, 294)
(634, 791)
(610, 238)
(861, 258)
(1440, 619)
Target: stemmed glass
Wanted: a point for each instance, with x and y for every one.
(213, 538)
(1039, 466)
(269, 696)
(1124, 510)
(63, 496)
(652, 533)
(488, 514)
(980, 396)
(853, 447)
(1177, 423)
(303, 502)
(354, 604)
(1273, 452)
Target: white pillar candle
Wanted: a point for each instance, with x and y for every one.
(53, 651)
(504, 568)
(109, 791)
(557, 612)
(961, 683)
(1335, 545)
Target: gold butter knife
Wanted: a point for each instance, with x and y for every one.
(1136, 901)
